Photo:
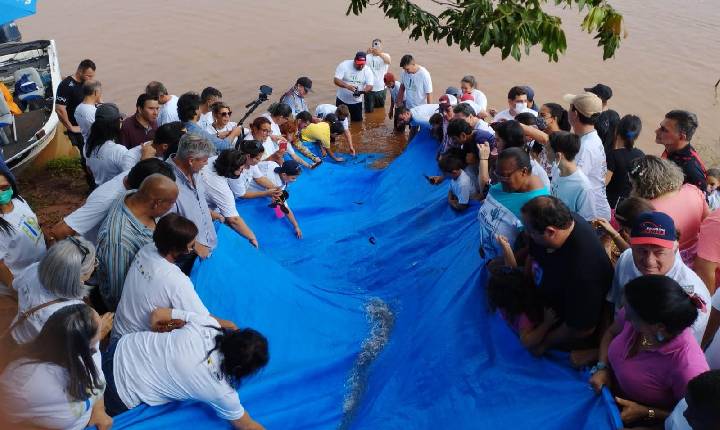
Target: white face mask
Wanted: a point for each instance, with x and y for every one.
(519, 107)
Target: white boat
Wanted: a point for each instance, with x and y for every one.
(31, 131)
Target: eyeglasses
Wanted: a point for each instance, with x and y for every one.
(226, 113)
(82, 248)
(509, 175)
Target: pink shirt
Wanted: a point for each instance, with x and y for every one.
(708, 246)
(687, 208)
(657, 377)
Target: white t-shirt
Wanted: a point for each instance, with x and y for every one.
(153, 282)
(241, 185)
(267, 169)
(479, 98)
(676, 420)
(378, 68)
(625, 271)
(214, 131)
(24, 245)
(36, 393)
(158, 368)
(421, 114)
(106, 162)
(591, 160)
(217, 191)
(85, 117)
(481, 125)
(537, 170)
(507, 116)
(327, 108)
(712, 353)
(87, 218)
(31, 293)
(417, 86)
(205, 121)
(134, 155)
(574, 191)
(347, 73)
(168, 111)
(463, 187)
(274, 128)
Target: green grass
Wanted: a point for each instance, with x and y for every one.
(64, 166)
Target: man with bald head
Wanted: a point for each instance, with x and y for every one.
(128, 227)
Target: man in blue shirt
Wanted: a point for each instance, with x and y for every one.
(295, 96)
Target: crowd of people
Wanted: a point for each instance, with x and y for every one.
(592, 246)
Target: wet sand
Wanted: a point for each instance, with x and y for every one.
(670, 59)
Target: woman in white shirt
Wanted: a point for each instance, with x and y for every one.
(228, 165)
(57, 281)
(103, 155)
(221, 125)
(468, 85)
(21, 239)
(58, 382)
(152, 368)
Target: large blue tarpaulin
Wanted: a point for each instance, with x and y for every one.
(377, 318)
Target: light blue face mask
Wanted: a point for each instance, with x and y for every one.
(6, 196)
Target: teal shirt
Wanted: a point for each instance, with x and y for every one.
(515, 201)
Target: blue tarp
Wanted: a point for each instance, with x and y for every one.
(376, 319)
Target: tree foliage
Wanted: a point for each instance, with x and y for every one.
(511, 26)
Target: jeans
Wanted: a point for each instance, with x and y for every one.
(113, 404)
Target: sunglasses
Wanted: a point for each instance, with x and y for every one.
(82, 248)
(225, 113)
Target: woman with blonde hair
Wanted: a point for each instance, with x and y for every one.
(661, 182)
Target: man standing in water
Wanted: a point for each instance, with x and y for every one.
(415, 86)
(378, 62)
(353, 80)
(295, 96)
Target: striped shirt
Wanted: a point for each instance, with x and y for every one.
(192, 204)
(121, 236)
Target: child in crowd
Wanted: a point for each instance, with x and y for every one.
(571, 185)
(512, 293)
(462, 187)
(713, 181)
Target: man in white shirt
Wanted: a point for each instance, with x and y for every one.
(415, 84)
(168, 103)
(571, 185)
(465, 110)
(378, 62)
(654, 251)
(462, 187)
(584, 110)
(85, 112)
(517, 103)
(353, 80)
(208, 97)
(163, 144)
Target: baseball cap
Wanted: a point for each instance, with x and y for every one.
(602, 91)
(654, 228)
(305, 82)
(360, 57)
(455, 91)
(289, 167)
(389, 77)
(467, 97)
(587, 104)
(107, 112)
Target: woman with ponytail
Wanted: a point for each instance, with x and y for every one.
(191, 358)
(619, 159)
(21, 240)
(57, 382)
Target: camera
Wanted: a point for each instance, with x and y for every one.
(265, 91)
(357, 93)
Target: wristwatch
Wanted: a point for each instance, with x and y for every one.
(651, 414)
(598, 367)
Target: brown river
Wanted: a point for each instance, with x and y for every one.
(670, 59)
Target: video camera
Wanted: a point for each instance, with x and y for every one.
(265, 91)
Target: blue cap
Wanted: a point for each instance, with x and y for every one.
(289, 167)
(654, 228)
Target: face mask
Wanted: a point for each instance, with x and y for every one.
(6, 196)
(519, 107)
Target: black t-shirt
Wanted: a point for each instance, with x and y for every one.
(70, 95)
(691, 165)
(618, 162)
(574, 279)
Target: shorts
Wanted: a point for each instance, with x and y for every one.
(356, 109)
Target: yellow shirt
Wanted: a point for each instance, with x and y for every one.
(319, 132)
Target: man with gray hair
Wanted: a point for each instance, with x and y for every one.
(168, 103)
(128, 227)
(85, 112)
(675, 133)
(192, 155)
